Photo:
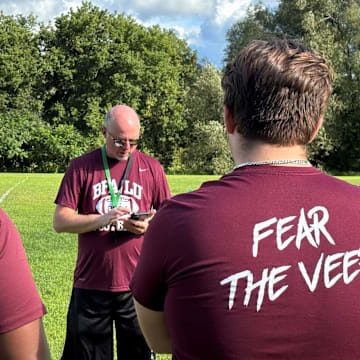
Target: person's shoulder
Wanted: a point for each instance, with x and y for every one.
(188, 208)
(340, 184)
(194, 198)
(91, 155)
(338, 190)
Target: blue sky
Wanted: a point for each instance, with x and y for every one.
(203, 23)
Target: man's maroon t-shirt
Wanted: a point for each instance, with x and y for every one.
(20, 302)
(103, 264)
(262, 264)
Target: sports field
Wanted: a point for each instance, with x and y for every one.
(29, 201)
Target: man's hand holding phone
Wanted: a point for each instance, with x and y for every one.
(139, 221)
(140, 215)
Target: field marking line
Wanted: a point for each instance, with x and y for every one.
(3, 196)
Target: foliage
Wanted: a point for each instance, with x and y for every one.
(102, 59)
(331, 27)
(320, 149)
(204, 145)
(56, 146)
(17, 129)
(71, 73)
(27, 143)
(209, 152)
(258, 24)
(20, 63)
(178, 166)
(204, 99)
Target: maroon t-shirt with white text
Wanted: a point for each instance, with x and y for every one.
(20, 302)
(261, 264)
(103, 264)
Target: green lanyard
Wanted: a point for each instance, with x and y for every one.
(115, 198)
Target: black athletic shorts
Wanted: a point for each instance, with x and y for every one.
(89, 333)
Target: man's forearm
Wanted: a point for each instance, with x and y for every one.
(67, 220)
(79, 223)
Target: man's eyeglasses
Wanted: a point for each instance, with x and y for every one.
(122, 142)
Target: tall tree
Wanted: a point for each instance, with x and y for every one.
(204, 146)
(21, 71)
(259, 23)
(20, 63)
(101, 59)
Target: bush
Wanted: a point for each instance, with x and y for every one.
(17, 131)
(209, 153)
(54, 147)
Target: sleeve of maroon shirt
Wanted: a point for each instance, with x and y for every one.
(20, 302)
(148, 284)
(71, 187)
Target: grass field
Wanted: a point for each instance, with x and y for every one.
(29, 201)
(52, 256)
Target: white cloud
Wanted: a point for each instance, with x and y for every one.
(227, 10)
(170, 8)
(10, 8)
(44, 10)
(72, 4)
(192, 35)
(203, 23)
(185, 28)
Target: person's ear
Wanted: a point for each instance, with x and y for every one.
(317, 128)
(103, 130)
(229, 120)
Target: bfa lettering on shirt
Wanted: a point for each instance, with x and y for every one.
(101, 189)
(272, 276)
(128, 199)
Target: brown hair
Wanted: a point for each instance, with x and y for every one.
(277, 91)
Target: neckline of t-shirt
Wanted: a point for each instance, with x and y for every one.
(277, 169)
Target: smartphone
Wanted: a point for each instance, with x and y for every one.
(136, 215)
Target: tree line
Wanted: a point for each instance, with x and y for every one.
(57, 83)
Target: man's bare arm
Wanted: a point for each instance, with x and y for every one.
(27, 342)
(67, 220)
(154, 328)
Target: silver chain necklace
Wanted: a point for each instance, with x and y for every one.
(273, 162)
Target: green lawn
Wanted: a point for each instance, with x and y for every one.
(351, 179)
(52, 256)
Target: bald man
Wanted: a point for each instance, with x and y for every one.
(98, 198)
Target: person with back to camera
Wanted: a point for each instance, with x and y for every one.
(264, 262)
(98, 194)
(22, 335)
